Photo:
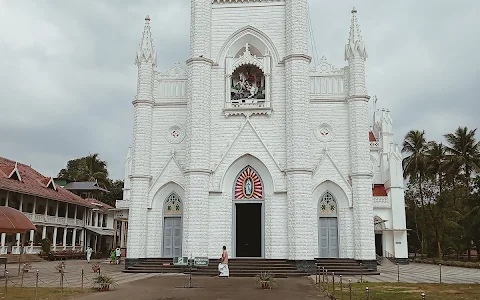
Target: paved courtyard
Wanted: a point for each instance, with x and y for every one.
(418, 273)
(50, 277)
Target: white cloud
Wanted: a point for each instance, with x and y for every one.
(68, 77)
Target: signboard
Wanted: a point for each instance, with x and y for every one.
(201, 261)
(180, 261)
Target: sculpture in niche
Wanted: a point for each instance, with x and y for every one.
(248, 85)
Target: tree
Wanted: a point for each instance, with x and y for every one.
(116, 192)
(89, 168)
(415, 167)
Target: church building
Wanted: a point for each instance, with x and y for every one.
(252, 146)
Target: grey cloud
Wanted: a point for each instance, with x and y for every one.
(68, 77)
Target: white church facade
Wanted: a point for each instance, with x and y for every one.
(253, 147)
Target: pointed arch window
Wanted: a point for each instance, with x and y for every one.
(248, 185)
(173, 205)
(328, 205)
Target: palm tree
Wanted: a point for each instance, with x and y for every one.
(415, 167)
(96, 170)
(436, 154)
(464, 154)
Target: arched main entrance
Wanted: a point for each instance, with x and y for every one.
(248, 214)
(328, 226)
(172, 226)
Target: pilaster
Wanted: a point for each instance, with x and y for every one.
(301, 213)
(197, 173)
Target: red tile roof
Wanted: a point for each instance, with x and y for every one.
(371, 137)
(103, 206)
(35, 184)
(379, 190)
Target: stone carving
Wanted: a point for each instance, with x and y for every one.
(175, 134)
(324, 132)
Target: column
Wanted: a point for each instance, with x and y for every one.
(2, 249)
(74, 236)
(301, 211)
(65, 229)
(32, 232)
(18, 237)
(6, 200)
(56, 213)
(46, 209)
(197, 169)
(54, 242)
(122, 234)
(75, 217)
(34, 206)
(66, 213)
(82, 239)
(44, 232)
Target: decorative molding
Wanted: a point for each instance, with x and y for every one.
(381, 202)
(175, 135)
(248, 59)
(177, 71)
(324, 132)
(171, 104)
(247, 121)
(157, 178)
(200, 59)
(297, 57)
(246, 1)
(327, 155)
(357, 98)
(143, 102)
(140, 177)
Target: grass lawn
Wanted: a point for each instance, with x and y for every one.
(43, 293)
(407, 291)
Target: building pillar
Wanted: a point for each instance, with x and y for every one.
(66, 213)
(54, 242)
(74, 236)
(65, 229)
(6, 200)
(75, 217)
(18, 238)
(32, 233)
(197, 173)
(2, 241)
(122, 234)
(82, 239)
(44, 232)
(56, 213)
(46, 209)
(21, 203)
(301, 211)
(34, 206)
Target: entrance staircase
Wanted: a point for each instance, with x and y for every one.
(240, 267)
(344, 267)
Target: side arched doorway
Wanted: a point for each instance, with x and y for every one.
(248, 214)
(379, 227)
(328, 226)
(172, 226)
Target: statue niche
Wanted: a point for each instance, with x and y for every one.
(248, 85)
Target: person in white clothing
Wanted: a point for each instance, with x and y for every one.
(89, 254)
(223, 270)
(118, 254)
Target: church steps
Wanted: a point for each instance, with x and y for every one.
(343, 266)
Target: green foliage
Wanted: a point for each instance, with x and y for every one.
(46, 246)
(103, 281)
(442, 197)
(92, 168)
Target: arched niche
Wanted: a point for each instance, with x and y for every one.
(334, 189)
(248, 185)
(163, 192)
(240, 164)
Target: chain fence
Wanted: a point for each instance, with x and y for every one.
(337, 288)
(63, 280)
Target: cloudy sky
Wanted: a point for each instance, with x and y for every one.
(67, 75)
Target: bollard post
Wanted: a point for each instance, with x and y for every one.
(23, 273)
(6, 282)
(423, 296)
(350, 288)
(61, 279)
(82, 278)
(333, 281)
(440, 265)
(398, 272)
(36, 286)
(367, 292)
(341, 288)
(361, 272)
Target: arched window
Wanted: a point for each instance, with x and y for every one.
(248, 185)
(173, 205)
(328, 205)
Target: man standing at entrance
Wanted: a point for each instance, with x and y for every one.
(223, 265)
(118, 253)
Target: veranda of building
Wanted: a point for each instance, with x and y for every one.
(67, 220)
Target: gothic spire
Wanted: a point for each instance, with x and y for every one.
(355, 47)
(146, 51)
